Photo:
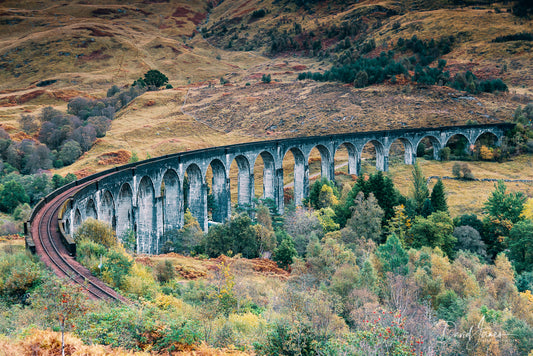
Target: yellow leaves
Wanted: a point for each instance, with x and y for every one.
(528, 209)
(246, 323)
(140, 281)
(528, 296)
(326, 197)
(486, 153)
(504, 268)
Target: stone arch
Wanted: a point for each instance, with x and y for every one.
(66, 225)
(196, 195)
(437, 146)
(107, 209)
(146, 221)
(269, 175)
(124, 210)
(381, 158)
(327, 168)
(459, 143)
(479, 134)
(354, 161)
(90, 210)
(409, 150)
(301, 175)
(220, 191)
(245, 181)
(172, 201)
(77, 219)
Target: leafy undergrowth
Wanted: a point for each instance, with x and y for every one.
(48, 343)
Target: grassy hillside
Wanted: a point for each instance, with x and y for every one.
(51, 52)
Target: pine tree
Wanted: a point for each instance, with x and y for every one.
(285, 252)
(419, 191)
(393, 257)
(438, 197)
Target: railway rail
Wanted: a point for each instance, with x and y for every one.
(53, 252)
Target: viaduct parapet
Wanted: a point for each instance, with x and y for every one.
(148, 197)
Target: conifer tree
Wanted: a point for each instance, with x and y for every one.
(438, 197)
(419, 191)
(393, 256)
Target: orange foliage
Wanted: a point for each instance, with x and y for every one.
(47, 343)
(19, 136)
(84, 172)
(486, 153)
(117, 157)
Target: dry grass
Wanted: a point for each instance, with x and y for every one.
(465, 197)
(48, 343)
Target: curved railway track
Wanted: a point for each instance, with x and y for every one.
(48, 245)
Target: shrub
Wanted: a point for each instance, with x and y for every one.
(155, 78)
(19, 274)
(12, 194)
(285, 252)
(70, 152)
(444, 153)
(266, 78)
(164, 271)
(97, 231)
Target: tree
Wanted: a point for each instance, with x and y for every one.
(366, 218)
(324, 259)
(29, 124)
(521, 245)
(419, 190)
(399, 224)
(155, 78)
(285, 252)
(70, 152)
(62, 302)
(326, 197)
(185, 240)
(469, 239)
(320, 196)
(503, 211)
(266, 78)
(392, 256)
(97, 231)
(11, 195)
(233, 237)
(164, 271)
(438, 197)
(326, 218)
(435, 231)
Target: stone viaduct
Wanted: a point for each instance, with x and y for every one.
(148, 197)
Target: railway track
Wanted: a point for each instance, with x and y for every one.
(52, 251)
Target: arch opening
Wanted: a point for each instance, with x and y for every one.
(264, 176)
(486, 146)
(172, 202)
(320, 162)
(146, 222)
(90, 210)
(241, 183)
(373, 157)
(107, 211)
(401, 151)
(219, 204)
(428, 148)
(346, 160)
(195, 194)
(77, 220)
(295, 177)
(124, 212)
(459, 147)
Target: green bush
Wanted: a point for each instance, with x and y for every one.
(19, 274)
